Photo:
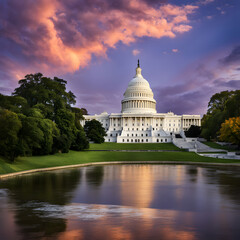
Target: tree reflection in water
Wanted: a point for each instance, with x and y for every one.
(94, 175)
(227, 178)
(192, 171)
(50, 187)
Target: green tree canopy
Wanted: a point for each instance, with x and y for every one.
(13, 103)
(41, 118)
(193, 131)
(10, 126)
(230, 131)
(221, 106)
(37, 89)
(94, 131)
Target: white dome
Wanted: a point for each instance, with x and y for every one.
(138, 98)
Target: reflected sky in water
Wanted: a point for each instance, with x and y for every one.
(123, 202)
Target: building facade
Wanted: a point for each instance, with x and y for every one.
(139, 121)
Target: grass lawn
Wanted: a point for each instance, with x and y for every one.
(217, 146)
(133, 146)
(73, 157)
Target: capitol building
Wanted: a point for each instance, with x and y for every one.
(139, 121)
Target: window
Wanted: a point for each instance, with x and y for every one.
(137, 129)
(161, 140)
(123, 140)
(146, 135)
(127, 140)
(110, 135)
(158, 134)
(128, 135)
(146, 140)
(131, 140)
(136, 135)
(153, 128)
(157, 140)
(169, 124)
(165, 140)
(114, 124)
(142, 140)
(132, 135)
(109, 140)
(156, 124)
(114, 129)
(142, 135)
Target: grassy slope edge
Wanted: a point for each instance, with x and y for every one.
(73, 157)
(134, 146)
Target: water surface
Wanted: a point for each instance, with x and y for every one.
(123, 202)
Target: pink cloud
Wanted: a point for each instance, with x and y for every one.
(64, 35)
(135, 52)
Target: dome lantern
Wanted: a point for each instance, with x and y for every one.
(138, 98)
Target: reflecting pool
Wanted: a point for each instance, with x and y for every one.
(137, 201)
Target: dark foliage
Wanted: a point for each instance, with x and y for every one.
(193, 131)
(94, 131)
(221, 107)
(38, 119)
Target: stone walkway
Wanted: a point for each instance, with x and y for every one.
(223, 156)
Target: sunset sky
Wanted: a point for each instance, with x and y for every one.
(188, 49)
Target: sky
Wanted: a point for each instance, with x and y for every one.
(188, 49)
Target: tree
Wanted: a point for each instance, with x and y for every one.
(193, 131)
(50, 98)
(37, 89)
(230, 131)
(80, 141)
(13, 103)
(94, 131)
(84, 111)
(232, 108)
(9, 129)
(218, 101)
(39, 119)
(221, 106)
(211, 124)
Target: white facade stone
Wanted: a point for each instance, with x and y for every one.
(139, 121)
